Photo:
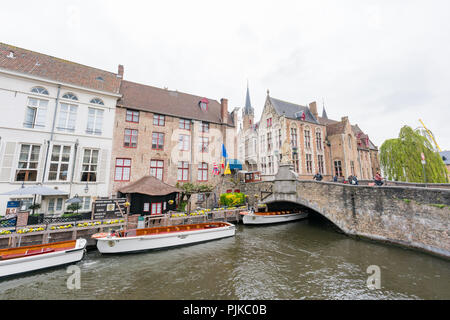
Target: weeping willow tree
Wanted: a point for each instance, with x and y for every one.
(400, 158)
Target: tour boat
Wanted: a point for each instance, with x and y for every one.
(271, 217)
(30, 258)
(162, 237)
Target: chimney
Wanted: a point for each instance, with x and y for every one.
(313, 109)
(120, 71)
(224, 110)
(344, 119)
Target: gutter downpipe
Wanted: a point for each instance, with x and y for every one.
(51, 133)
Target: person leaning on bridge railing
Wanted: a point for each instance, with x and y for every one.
(378, 179)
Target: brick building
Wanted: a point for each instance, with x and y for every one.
(318, 144)
(174, 136)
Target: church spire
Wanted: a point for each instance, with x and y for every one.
(324, 113)
(248, 106)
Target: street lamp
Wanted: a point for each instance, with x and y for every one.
(86, 188)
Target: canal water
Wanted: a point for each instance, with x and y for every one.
(298, 260)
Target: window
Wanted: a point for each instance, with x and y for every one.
(320, 164)
(89, 167)
(158, 120)
(123, 168)
(350, 141)
(296, 162)
(294, 137)
(269, 141)
(67, 117)
(183, 144)
(183, 171)
(132, 116)
(157, 141)
(35, 113)
(352, 167)
(146, 207)
(204, 127)
(86, 204)
(270, 164)
(203, 104)
(156, 208)
(309, 168)
(185, 124)
(269, 122)
(130, 138)
(203, 171)
(59, 163)
(204, 143)
(95, 119)
(28, 163)
(55, 204)
(39, 90)
(157, 169)
(70, 96)
(338, 168)
(97, 101)
(319, 140)
(307, 139)
(279, 139)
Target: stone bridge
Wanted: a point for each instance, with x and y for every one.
(409, 216)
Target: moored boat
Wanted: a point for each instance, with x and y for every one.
(18, 260)
(162, 237)
(271, 217)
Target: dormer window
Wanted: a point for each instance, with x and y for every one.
(39, 90)
(203, 104)
(70, 96)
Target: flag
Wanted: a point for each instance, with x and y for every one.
(224, 156)
(227, 170)
(216, 170)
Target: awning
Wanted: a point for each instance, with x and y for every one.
(235, 164)
(36, 190)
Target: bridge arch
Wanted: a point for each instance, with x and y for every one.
(279, 202)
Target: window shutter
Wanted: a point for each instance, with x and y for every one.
(102, 165)
(41, 164)
(77, 168)
(8, 159)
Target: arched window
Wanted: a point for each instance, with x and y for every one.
(39, 90)
(70, 96)
(97, 101)
(349, 141)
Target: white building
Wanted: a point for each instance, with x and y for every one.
(56, 127)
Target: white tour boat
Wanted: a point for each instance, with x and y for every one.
(162, 237)
(271, 217)
(18, 260)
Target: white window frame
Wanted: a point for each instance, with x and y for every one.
(39, 115)
(97, 121)
(67, 118)
(59, 162)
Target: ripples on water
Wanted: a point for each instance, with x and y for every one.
(297, 260)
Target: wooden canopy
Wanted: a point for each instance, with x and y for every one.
(149, 185)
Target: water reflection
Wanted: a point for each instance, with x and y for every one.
(298, 260)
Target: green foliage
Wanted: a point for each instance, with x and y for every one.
(73, 207)
(35, 206)
(232, 199)
(400, 158)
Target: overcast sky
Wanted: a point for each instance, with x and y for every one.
(384, 64)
